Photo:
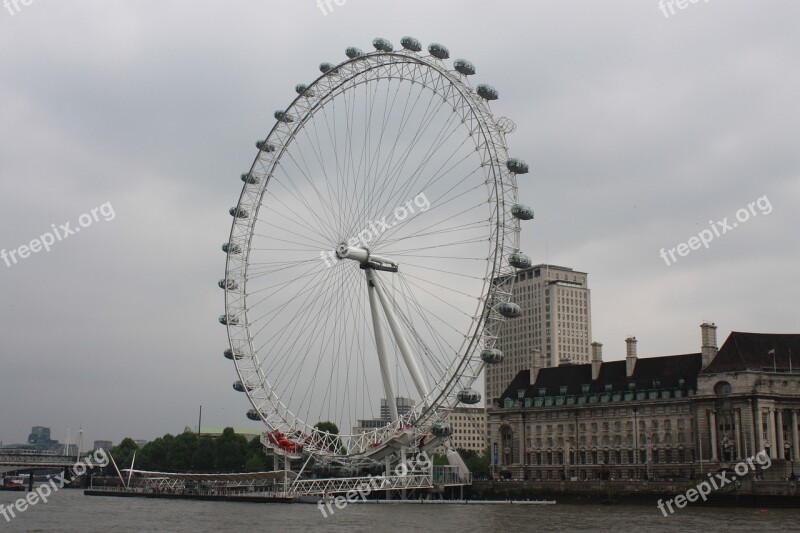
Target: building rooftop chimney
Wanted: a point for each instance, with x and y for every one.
(709, 342)
(630, 358)
(597, 359)
(537, 365)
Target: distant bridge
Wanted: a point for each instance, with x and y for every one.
(11, 460)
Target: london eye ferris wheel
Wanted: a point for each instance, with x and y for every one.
(371, 254)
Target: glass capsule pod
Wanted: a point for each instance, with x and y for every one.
(265, 146)
(469, 396)
(492, 356)
(327, 67)
(464, 67)
(233, 249)
(302, 88)
(228, 320)
(509, 310)
(228, 284)
(410, 43)
(439, 51)
(441, 429)
(238, 212)
(522, 212)
(242, 387)
(282, 116)
(382, 45)
(517, 166)
(250, 179)
(487, 92)
(233, 354)
(252, 414)
(353, 52)
(519, 260)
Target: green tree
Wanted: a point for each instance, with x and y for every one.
(155, 453)
(203, 457)
(230, 451)
(256, 458)
(181, 452)
(478, 464)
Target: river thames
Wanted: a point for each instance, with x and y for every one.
(70, 510)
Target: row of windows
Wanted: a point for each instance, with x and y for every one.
(608, 412)
(608, 440)
(608, 457)
(606, 426)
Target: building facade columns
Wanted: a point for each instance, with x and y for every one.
(758, 431)
(795, 443)
(712, 426)
(736, 430)
(779, 434)
(773, 445)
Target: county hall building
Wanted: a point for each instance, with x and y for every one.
(667, 417)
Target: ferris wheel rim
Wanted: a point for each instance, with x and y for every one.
(495, 267)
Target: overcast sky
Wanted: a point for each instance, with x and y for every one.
(639, 130)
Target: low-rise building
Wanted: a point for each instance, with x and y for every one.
(674, 416)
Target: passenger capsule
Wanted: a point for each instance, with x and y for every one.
(464, 67)
(228, 284)
(492, 356)
(517, 166)
(242, 387)
(409, 43)
(327, 67)
(487, 92)
(228, 320)
(265, 146)
(238, 212)
(519, 260)
(441, 429)
(250, 179)
(469, 396)
(252, 414)
(231, 354)
(282, 116)
(233, 249)
(439, 51)
(509, 310)
(302, 88)
(522, 212)
(353, 52)
(382, 45)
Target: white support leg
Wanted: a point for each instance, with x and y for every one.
(386, 372)
(405, 349)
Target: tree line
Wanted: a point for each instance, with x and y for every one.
(189, 453)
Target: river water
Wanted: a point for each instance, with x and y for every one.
(70, 510)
